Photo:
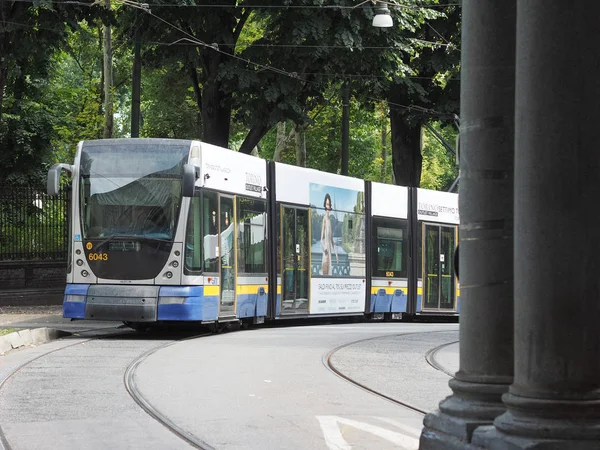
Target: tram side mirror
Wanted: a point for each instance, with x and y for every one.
(456, 262)
(52, 184)
(190, 175)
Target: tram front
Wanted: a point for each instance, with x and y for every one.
(125, 242)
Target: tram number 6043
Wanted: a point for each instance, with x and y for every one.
(98, 256)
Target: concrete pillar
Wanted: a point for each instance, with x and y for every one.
(554, 402)
(486, 226)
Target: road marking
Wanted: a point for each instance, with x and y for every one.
(416, 432)
(330, 425)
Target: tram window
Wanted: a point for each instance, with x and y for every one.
(210, 229)
(251, 235)
(193, 238)
(390, 248)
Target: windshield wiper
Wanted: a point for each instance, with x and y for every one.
(132, 237)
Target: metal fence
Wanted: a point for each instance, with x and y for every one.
(33, 225)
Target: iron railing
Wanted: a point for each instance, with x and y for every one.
(33, 225)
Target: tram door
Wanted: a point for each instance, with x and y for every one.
(295, 260)
(439, 290)
(227, 256)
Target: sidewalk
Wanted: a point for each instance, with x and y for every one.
(37, 325)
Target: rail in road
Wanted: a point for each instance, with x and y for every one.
(263, 388)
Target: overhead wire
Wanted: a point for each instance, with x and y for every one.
(313, 47)
(195, 41)
(229, 6)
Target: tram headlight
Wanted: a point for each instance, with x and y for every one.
(177, 253)
(174, 264)
(169, 275)
(84, 273)
(79, 262)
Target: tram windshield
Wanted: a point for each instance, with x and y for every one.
(131, 190)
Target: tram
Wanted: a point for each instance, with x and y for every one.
(178, 230)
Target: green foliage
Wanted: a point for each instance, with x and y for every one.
(34, 33)
(168, 108)
(439, 165)
(75, 93)
(25, 143)
(5, 331)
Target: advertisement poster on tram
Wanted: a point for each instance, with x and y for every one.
(337, 249)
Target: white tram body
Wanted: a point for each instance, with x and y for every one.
(176, 230)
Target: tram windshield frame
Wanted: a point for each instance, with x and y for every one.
(131, 190)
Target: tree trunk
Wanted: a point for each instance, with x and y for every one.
(345, 128)
(383, 152)
(216, 105)
(101, 84)
(280, 143)
(3, 78)
(196, 87)
(18, 88)
(300, 146)
(136, 87)
(108, 80)
(254, 136)
(406, 149)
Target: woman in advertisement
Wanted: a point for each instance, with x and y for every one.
(327, 239)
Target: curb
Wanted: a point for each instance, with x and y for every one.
(28, 338)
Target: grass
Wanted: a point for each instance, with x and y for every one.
(4, 331)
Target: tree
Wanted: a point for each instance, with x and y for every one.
(251, 67)
(30, 33)
(439, 164)
(260, 65)
(184, 42)
(324, 48)
(431, 93)
(411, 65)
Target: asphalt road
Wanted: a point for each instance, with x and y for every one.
(268, 388)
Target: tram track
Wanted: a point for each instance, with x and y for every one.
(129, 382)
(142, 401)
(431, 360)
(329, 364)
(146, 403)
(4, 444)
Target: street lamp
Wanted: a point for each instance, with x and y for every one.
(382, 18)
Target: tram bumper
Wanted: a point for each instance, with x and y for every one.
(122, 303)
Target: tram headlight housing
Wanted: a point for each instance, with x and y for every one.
(75, 298)
(79, 262)
(84, 273)
(169, 275)
(174, 264)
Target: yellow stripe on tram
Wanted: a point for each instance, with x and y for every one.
(388, 290)
(250, 288)
(211, 291)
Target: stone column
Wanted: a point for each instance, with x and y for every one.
(554, 402)
(486, 226)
